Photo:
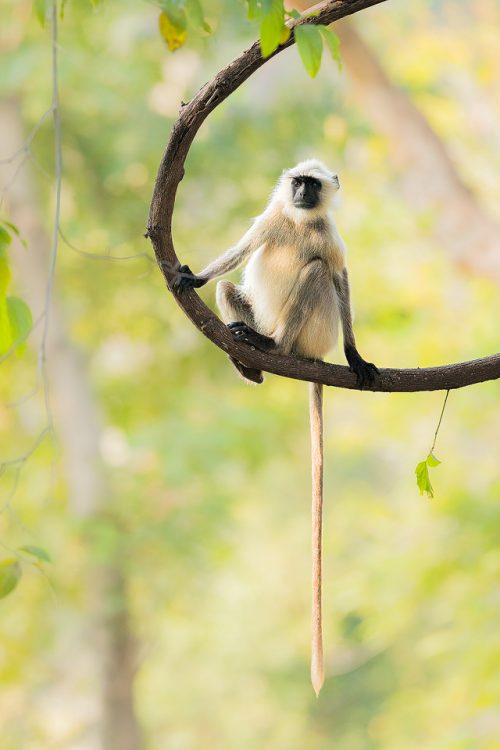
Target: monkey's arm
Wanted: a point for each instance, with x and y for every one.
(228, 261)
(364, 371)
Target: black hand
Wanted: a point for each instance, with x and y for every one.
(185, 279)
(365, 372)
(247, 335)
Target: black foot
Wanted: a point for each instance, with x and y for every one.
(249, 373)
(247, 335)
(365, 372)
(184, 279)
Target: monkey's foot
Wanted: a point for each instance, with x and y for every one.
(247, 335)
(365, 372)
(184, 279)
(249, 373)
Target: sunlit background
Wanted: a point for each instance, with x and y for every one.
(173, 500)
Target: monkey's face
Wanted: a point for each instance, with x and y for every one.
(306, 191)
(312, 185)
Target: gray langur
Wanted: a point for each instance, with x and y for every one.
(294, 290)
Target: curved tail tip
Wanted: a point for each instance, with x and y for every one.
(317, 678)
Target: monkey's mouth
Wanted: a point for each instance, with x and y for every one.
(304, 204)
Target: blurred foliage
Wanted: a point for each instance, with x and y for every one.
(15, 315)
(209, 479)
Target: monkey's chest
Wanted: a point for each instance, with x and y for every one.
(269, 281)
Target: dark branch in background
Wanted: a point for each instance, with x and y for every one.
(171, 172)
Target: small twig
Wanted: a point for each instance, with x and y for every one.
(19, 460)
(25, 148)
(104, 256)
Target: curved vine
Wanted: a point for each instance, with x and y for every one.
(159, 230)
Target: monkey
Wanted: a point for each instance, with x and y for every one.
(294, 291)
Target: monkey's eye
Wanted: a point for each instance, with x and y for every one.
(296, 182)
(316, 184)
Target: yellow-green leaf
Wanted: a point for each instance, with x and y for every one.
(285, 34)
(38, 552)
(423, 480)
(10, 574)
(4, 273)
(174, 36)
(20, 319)
(432, 460)
(5, 332)
(310, 46)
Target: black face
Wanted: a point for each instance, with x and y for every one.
(305, 192)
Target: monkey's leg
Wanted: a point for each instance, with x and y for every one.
(237, 312)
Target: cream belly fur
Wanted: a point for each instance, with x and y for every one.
(320, 331)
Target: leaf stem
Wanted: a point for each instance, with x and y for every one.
(439, 423)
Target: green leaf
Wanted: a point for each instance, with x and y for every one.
(195, 17)
(423, 480)
(310, 46)
(19, 322)
(293, 13)
(5, 237)
(10, 575)
(271, 27)
(20, 319)
(253, 10)
(333, 43)
(12, 227)
(432, 460)
(38, 552)
(40, 10)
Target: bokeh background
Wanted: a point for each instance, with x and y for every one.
(173, 499)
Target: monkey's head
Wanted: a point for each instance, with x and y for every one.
(308, 187)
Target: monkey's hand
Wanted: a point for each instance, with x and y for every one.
(247, 335)
(185, 279)
(365, 372)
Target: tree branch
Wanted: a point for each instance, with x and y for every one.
(171, 172)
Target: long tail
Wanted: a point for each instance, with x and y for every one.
(316, 420)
